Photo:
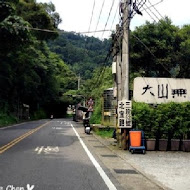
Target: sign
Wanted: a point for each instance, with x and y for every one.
(161, 90)
(124, 114)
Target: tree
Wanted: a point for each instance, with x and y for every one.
(154, 48)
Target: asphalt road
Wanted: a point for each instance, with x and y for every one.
(48, 155)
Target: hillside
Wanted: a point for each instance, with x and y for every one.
(82, 53)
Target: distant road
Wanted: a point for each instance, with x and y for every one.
(48, 155)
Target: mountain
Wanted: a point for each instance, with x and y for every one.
(82, 53)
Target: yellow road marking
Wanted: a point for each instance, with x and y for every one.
(17, 140)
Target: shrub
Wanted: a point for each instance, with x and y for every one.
(6, 119)
(171, 120)
(97, 114)
(144, 118)
(40, 114)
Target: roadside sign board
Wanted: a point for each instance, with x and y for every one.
(161, 90)
(124, 114)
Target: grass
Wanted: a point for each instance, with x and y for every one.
(105, 133)
(7, 119)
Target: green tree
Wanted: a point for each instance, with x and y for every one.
(160, 57)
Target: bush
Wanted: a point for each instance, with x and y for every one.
(97, 114)
(6, 119)
(144, 118)
(171, 120)
(40, 114)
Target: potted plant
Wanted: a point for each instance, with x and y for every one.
(150, 143)
(186, 141)
(163, 142)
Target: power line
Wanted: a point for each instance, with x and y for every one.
(100, 15)
(152, 13)
(155, 9)
(153, 5)
(92, 14)
(62, 31)
(115, 16)
(108, 16)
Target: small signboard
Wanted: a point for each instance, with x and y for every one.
(124, 114)
(161, 90)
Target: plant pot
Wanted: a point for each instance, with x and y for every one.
(150, 144)
(163, 143)
(175, 144)
(186, 145)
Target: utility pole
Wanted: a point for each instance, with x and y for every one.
(124, 105)
(125, 50)
(118, 79)
(125, 64)
(79, 82)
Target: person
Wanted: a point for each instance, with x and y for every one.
(51, 117)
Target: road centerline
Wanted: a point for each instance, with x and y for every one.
(20, 138)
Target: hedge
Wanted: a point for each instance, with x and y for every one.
(171, 120)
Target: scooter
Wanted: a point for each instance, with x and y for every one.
(86, 123)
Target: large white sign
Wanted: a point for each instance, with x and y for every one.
(124, 114)
(161, 90)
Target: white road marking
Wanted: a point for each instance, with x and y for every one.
(47, 150)
(58, 128)
(106, 179)
(39, 149)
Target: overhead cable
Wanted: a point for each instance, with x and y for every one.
(155, 9)
(115, 16)
(99, 15)
(92, 14)
(62, 31)
(108, 17)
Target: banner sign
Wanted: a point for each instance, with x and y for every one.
(124, 114)
(161, 90)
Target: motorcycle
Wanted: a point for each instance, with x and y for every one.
(86, 124)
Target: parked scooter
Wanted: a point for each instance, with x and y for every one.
(86, 123)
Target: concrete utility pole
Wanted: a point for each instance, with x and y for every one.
(125, 50)
(79, 82)
(118, 79)
(125, 64)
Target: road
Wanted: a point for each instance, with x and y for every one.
(49, 155)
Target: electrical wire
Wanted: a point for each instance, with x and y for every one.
(156, 9)
(99, 15)
(114, 16)
(92, 15)
(153, 5)
(62, 31)
(152, 13)
(108, 17)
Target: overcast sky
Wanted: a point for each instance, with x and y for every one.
(76, 14)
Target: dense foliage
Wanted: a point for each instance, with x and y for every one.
(160, 50)
(29, 72)
(169, 120)
(82, 53)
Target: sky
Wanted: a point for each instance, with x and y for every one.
(76, 14)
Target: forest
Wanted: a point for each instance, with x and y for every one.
(41, 69)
